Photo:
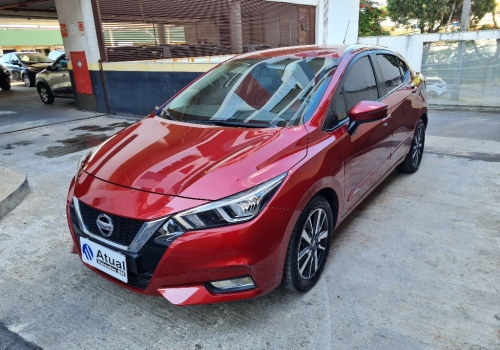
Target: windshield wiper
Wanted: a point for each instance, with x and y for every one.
(231, 123)
(167, 114)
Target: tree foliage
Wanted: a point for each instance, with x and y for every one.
(370, 16)
(433, 15)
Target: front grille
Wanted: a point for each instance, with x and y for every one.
(124, 229)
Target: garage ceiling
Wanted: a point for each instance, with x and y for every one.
(28, 9)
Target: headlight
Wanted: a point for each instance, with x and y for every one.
(81, 162)
(240, 207)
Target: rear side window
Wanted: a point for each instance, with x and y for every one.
(405, 71)
(6, 58)
(360, 83)
(392, 71)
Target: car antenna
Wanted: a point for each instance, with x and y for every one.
(345, 36)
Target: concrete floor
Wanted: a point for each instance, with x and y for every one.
(416, 266)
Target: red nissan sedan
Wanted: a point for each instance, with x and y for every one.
(235, 185)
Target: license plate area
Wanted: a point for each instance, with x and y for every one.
(104, 259)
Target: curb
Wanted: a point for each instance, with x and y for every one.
(15, 197)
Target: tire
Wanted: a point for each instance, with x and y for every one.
(300, 274)
(46, 95)
(27, 81)
(5, 86)
(412, 160)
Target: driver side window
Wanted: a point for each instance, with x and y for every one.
(360, 85)
(61, 65)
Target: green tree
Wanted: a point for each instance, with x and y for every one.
(370, 17)
(433, 15)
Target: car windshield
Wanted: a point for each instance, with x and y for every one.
(30, 58)
(257, 92)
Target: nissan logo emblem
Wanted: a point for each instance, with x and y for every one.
(105, 225)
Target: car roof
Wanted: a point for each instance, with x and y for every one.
(334, 51)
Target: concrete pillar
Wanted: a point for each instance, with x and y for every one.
(78, 17)
(339, 19)
(235, 26)
(70, 12)
(160, 31)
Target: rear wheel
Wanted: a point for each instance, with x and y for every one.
(46, 95)
(414, 156)
(308, 247)
(5, 86)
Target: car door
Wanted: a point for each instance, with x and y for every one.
(7, 64)
(366, 151)
(400, 96)
(58, 78)
(16, 67)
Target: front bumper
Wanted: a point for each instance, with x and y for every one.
(181, 271)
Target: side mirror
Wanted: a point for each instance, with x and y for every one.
(366, 112)
(50, 68)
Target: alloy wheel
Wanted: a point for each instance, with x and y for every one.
(418, 146)
(44, 94)
(27, 81)
(312, 245)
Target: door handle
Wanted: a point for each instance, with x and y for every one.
(385, 121)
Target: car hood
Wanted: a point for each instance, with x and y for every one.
(38, 65)
(195, 161)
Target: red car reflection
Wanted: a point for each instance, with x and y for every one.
(235, 185)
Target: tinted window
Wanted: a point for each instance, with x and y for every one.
(337, 112)
(360, 83)
(391, 70)
(405, 71)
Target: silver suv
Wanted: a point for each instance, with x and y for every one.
(54, 81)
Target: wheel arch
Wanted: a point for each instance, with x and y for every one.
(423, 116)
(331, 196)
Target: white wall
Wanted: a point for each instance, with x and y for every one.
(411, 46)
(332, 18)
(70, 12)
(339, 17)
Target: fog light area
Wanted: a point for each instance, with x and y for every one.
(232, 285)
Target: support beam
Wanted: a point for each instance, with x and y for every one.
(235, 26)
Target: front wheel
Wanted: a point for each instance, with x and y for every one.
(308, 247)
(27, 81)
(5, 86)
(412, 160)
(46, 95)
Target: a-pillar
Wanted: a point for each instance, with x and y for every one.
(77, 17)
